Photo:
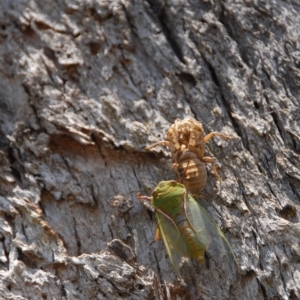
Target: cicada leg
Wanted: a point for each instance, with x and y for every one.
(213, 134)
(166, 143)
(144, 197)
(157, 235)
(208, 159)
(175, 170)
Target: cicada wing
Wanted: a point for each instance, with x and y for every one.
(208, 232)
(174, 244)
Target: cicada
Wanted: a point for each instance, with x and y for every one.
(186, 139)
(186, 228)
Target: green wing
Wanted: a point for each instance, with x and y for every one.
(208, 232)
(174, 244)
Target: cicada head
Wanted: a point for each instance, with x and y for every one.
(167, 194)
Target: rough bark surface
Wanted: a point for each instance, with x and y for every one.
(86, 85)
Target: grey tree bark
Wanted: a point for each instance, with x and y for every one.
(86, 85)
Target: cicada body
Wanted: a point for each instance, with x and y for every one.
(186, 139)
(186, 134)
(186, 228)
(191, 171)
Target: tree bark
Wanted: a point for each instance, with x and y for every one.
(85, 86)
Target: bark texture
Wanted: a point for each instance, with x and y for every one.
(86, 85)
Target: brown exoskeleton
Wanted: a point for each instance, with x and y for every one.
(185, 139)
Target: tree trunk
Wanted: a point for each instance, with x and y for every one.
(85, 86)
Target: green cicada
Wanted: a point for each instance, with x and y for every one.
(186, 228)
